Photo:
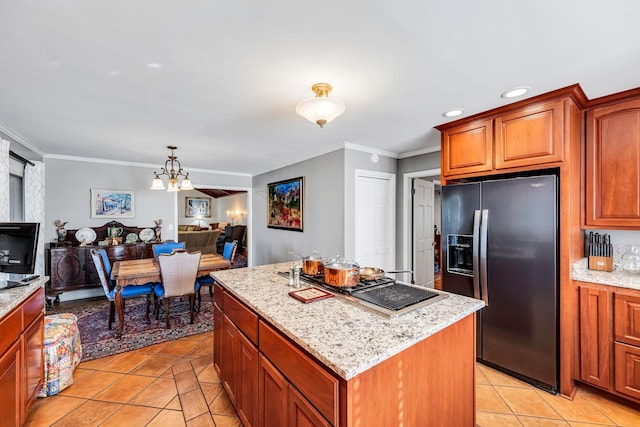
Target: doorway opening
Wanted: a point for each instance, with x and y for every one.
(421, 227)
(229, 210)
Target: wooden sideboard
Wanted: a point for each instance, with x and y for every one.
(70, 266)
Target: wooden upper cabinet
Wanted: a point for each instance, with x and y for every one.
(468, 148)
(532, 134)
(613, 165)
(529, 136)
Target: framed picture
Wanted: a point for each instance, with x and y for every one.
(197, 207)
(112, 204)
(284, 204)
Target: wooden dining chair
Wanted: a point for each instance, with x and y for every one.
(166, 247)
(178, 271)
(99, 256)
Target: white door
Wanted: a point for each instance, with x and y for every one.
(375, 220)
(423, 244)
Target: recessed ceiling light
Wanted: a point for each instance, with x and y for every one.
(454, 113)
(515, 92)
(113, 73)
(154, 65)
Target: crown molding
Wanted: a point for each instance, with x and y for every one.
(418, 152)
(134, 164)
(370, 150)
(302, 158)
(20, 139)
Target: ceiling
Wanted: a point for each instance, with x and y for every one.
(75, 79)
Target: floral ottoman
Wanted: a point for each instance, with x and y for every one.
(62, 352)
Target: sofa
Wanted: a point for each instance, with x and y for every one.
(203, 241)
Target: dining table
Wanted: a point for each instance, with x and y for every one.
(145, 270)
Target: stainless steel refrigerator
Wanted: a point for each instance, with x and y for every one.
(500, 244)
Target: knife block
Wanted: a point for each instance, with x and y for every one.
(601, 263)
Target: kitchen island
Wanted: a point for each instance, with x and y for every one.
(328, 362)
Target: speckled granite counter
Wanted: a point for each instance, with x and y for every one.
(621, 279)
(346, 338)
(12, 297)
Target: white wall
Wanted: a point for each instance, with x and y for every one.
(236, 202)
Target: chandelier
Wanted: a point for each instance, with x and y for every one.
(169, 170)
(321, 109)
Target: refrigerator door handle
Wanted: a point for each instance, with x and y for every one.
(484, 225)
(476, 254)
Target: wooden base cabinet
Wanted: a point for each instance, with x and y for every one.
(21, 359)
(10, 401)
(432, 381)
(595, 336)
(610, 339)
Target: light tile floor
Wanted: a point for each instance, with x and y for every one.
(174, 384)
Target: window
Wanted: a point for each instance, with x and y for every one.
(16, 190)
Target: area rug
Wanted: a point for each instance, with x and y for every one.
(98, 341)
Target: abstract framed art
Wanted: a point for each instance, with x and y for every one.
(285, 204)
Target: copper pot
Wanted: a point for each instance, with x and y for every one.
(312, 267)
(373, 273)
(342, 274)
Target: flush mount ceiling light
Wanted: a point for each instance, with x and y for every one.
(321, 109)
(169, 170)
(515, 92)
(453, 113)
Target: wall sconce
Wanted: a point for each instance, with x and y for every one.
(232, 214)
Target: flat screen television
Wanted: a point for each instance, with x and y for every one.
(18, 246)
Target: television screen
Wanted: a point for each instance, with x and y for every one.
(18, 246)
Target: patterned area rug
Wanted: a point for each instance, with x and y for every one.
(99, 341)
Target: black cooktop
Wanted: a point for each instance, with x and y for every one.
(384, 292)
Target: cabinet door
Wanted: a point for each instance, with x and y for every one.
(33, 367)
(627, 368)
(627, 318)
(530, 136)
(468, 148)
(67, 269)
(229, 359)
(302, 413)
(248, 382)
(10, 386)
(218, 324)
(272, 395)
(613, 166)
(595, 336)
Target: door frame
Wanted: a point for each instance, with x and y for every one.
(221, 187)
(392, 208)
(407, 220)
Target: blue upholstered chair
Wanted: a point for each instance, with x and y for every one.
(178, 271)
(130, 291)
(229, 252)
(167, 247)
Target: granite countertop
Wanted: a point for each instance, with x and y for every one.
(12, 297)
(618, 278)
(346, 338)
